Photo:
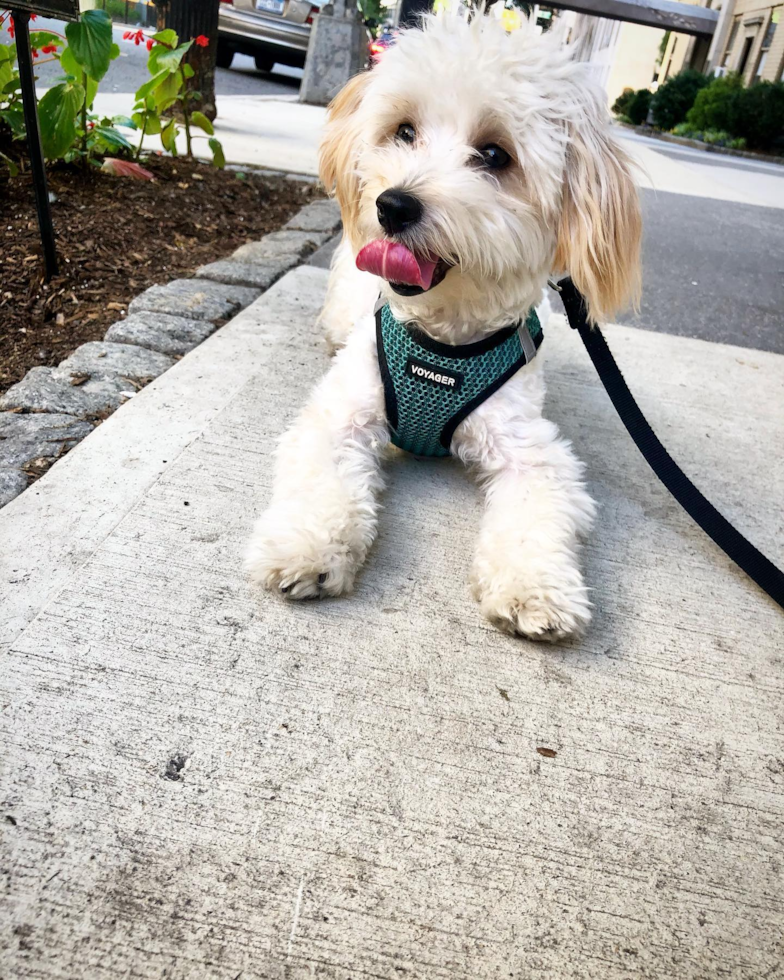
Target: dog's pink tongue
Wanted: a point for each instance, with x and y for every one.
(396, 263)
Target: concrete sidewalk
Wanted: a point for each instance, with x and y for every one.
(203, 782)
(281, 134)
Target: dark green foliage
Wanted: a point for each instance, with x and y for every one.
(633, 106)
(761, 116)
(755, 114)
(717, 105)
(637, 110)
(675, 97)
(621, 104)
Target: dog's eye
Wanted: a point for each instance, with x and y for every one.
(493, 157)
(405, 133)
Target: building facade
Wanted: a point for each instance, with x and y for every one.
(620, 55)
(749, 40)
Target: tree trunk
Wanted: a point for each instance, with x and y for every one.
(192, 19)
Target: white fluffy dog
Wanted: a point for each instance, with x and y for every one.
(496, 152)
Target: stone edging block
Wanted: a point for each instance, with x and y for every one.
(99, 359)
(28, 442)
(172, 335)
(260, 275)
(51, 409)
(198, 299)
(45, 389)
(321, 216)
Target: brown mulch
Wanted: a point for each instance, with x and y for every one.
(116, 237)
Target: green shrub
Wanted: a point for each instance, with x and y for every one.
(760, 118)
(632, 107)
(622, 102)
(716, 105)
(637, 109)
(716, 137)
(739, 143)
(675, 97)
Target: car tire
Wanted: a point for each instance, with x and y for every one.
(224, 55)
(264, 62)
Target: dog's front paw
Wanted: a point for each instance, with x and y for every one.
(302, 557)
(546, 604)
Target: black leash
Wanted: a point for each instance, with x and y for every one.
(732, 543)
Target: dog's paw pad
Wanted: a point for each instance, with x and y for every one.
(311, 586)
(540, 620)
(295, 568)
(542, 614)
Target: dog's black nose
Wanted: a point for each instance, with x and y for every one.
(397, 211)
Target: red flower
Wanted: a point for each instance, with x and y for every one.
(49, 49)
(149, 43)
(136, 36)
(11, 29)
(202, 41)
(35, 52)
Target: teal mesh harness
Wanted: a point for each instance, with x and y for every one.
(429, 387)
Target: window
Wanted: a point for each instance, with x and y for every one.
(731, 43)
(669, 60)
(745, 51)
(767, 41)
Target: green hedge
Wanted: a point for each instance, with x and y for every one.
(716, 105)
(761, 116)
(638, 106)
(675, 97)
(754, 114)
(632, 105)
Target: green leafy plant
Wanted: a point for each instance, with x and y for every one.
(632, 107)
(760, 116)
(11, 114)
(621, 104)
(713, 137)
(716, 137)
(753, 115)
(69, 131)
(164, 100)
(675, 97)
(12, 124)
(640, 102)
(716, 106)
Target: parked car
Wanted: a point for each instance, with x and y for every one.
(380, 44)
(269, 31)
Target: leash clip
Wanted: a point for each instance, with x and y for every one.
(554, 285)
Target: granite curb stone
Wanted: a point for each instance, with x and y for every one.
(12, 483)
(99, 359)
(322, 257)
(198, 299)
(34, 439)
(51, 409)
(172, 335)
(43, 389)
(260, 275)
(279, 243)
(323, 216)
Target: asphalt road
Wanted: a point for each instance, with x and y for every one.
(712, 269)
(127, 72)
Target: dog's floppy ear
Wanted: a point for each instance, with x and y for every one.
(338, 150)
(600, 224)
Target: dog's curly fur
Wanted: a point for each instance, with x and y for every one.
(566, 202)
